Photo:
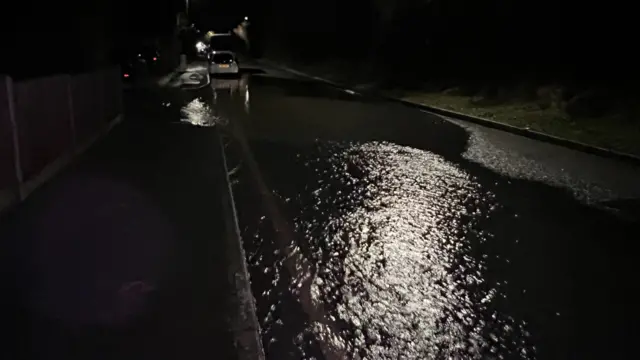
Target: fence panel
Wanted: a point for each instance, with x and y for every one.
(88, 103)
(43, 118)
(112, 93)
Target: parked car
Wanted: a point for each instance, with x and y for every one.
(223, 62)
(128, 71)
(139, 62)
(148, 56)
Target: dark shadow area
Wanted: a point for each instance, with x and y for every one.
(464, 41)
(522, 64)
(74, 44)
(155, 107)
(142, 205)
(563, 266)
(300, 87)
(300, 111)
(629, 208)
(251, 71)
(226, 76)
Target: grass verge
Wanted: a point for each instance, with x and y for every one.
(613, 131)
(618, 131)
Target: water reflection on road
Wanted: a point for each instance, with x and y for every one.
(372, 250)
(389, 233)
(205, 110)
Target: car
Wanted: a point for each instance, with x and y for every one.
(139, 62)
(132, 69)
(223, 62)
(149, 56)
(128, 71)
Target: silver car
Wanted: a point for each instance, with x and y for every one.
(223, 62)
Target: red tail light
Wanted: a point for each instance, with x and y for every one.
(126, 75)
(154, 59)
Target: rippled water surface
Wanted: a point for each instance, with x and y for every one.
(406, 237)
(382, 261)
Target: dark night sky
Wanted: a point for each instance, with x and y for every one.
(543, 36)
(75, 35)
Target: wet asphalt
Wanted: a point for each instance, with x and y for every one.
(376, 231)
(372, 231)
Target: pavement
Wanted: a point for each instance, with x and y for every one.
(123, 254)
(195, 77)
(371, 230)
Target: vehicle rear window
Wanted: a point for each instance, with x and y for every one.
(222, 58)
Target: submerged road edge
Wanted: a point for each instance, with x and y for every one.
(244, 320)
(536, 135)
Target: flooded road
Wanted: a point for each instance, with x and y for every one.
(370, 235)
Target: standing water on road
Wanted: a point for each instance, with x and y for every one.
(388, 235)
(373, 250)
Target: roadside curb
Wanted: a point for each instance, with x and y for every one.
(244, 321)
(176, 76)
(575, 145)
(167, 79)
(206, 83)
(536, 135)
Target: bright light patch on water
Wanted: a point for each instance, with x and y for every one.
(390, 232)
(198, 113)
(591, 179)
